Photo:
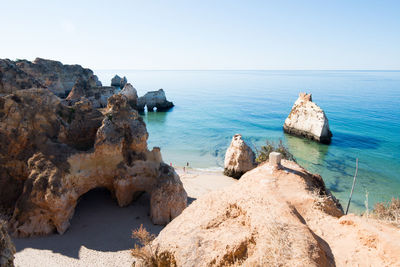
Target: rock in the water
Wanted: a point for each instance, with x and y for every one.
(7, 248)
(308, 120)
(12, 78)
(51, 154)
(154, 99)
(239, 158)
(131, 94)
(117, 81)
(256, 222)
(57, 77)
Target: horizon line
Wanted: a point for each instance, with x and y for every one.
(395, 70)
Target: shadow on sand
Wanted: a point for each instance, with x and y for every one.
(98, 224)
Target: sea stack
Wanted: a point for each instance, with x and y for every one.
(239, 158)
(308, 120)
(154, 99)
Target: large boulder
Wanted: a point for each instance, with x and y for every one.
(117, 81)
(308, 120)
(131, 94)
(154, 99)
(239, 158)
(258, 221)
(7, 249)
(12, 78)
(274, 217)
(51, 154)
(57, 77)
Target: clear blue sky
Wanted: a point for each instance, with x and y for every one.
(204, 34)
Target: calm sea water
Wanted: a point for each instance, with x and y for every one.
(363, 108)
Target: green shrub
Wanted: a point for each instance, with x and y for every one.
(263, 153)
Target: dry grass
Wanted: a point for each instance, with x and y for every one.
(388, 211)
(146, 254)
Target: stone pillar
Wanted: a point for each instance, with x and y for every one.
(275, 160)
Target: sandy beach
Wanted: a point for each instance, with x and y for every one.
(100, 231)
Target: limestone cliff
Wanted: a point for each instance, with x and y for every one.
(51, 154)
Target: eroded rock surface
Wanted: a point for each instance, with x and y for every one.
(154, 99)
(12, 78)
(117, 81)
(275, 217)
(57, 77)
(308, 120)
(239, 158)
(131, 94)
(97, 95)
(51, 154)
(7, 249)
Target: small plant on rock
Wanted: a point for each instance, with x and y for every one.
(263, 153)
(146, 254)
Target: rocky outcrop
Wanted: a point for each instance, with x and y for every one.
(308, 120)
(7, 249)
(131, 94)
(97, 95)
(51, 154)
(239, 158)
(274, 217)
(259, 221)
(57, 77)
(117, 81)
(154, 99)
(12, 78)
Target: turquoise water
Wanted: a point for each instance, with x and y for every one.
(363, 108)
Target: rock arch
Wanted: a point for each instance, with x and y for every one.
(57, 174)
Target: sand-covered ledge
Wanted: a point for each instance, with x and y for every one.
(100, 232)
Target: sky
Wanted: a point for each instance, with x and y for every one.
(206, 35)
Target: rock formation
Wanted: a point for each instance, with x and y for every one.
(7, 249)
(51, 154)
(97, 95)
(131, 94)
(239, 158)
(274, 217)
(117, 81)
(308, 120)
(154, 99)
(57, 77)
(12, 78)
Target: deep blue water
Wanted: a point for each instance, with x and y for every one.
(363, 108)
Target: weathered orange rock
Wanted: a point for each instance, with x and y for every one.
(51, 154)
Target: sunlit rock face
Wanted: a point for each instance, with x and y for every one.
(239, 158)
(13, 78)
(265, 219)
(51, 154)
(154, 99)
(131, 94)
(96, 95)
(57, 77)
(308, 120)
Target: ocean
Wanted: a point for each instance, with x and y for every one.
(363, 108)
